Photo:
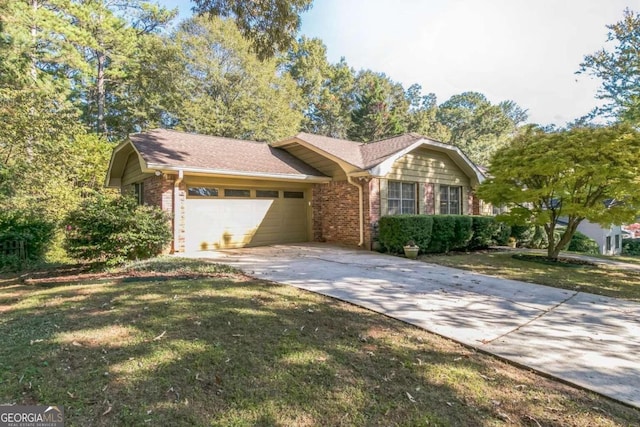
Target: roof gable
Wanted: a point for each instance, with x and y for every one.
(376, 158)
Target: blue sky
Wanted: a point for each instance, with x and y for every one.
(526, 51)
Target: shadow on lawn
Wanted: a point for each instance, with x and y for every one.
(230, 351)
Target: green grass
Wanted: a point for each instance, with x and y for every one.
(601, 279)
(152, 345)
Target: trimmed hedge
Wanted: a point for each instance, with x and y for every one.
(396, 231)
(440, 233)
(486, 231)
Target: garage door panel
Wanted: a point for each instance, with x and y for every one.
(233, 223)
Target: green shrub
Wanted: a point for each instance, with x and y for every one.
(443, 234)
(631, 246)
(115, 230)
(539, 240)
(35, 232)
(462, 231)
(484, 232)
(395, 231)
(582, 243)
(523, 234)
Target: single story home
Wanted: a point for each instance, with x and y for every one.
(229, 193)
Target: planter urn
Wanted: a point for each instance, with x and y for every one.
(411, 252)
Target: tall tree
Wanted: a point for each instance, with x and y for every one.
(42, 139)
(226, 90)
(380, 108)
(577, 174)
(423, 115)
(619, 69)
(478, 127)
(270, 25)
(326, 88)
(118, 33)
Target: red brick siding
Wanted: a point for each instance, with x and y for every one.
(336, 213)
(159, 191)
(474, 203)
(429, 199)
(374, 200)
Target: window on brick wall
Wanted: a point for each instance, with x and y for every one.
(138, 192)
(450, 200)
(401, 197)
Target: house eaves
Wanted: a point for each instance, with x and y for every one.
(237, 174)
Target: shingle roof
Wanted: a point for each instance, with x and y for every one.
(346, 150)
(362, 155)
(162, 147)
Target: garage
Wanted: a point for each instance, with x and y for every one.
(232, 216)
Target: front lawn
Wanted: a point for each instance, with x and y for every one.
(601, 279)
(186, 343)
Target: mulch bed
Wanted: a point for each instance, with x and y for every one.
(560, 261)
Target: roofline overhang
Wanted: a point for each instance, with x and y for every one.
(348, 168)
(116, 184)
(152, 167)
(383, 168)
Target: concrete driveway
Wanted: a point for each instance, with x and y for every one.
(584, 339)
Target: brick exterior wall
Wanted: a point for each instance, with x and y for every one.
(159, 191)
(336, 212)
(429, 199)
(474, 203)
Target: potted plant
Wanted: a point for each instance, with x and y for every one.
(411, 250)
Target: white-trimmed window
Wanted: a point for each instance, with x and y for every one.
(401, 197)
(450, 200)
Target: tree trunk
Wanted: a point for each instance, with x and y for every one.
(34, 40)
(554, 249)
(101, 125)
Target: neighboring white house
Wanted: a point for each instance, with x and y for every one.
(609, 239)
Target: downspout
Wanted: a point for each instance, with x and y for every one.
(176, 207)
(360, 209)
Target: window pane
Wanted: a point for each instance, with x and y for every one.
(408, 190)
(272, 194)
(229, 192)
(394, 207)
(454, 200)
(408, 207)
(203, 192)
(394, 189)
(138, 191)
(293, 194)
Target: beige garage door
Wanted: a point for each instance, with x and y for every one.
(218, 218)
